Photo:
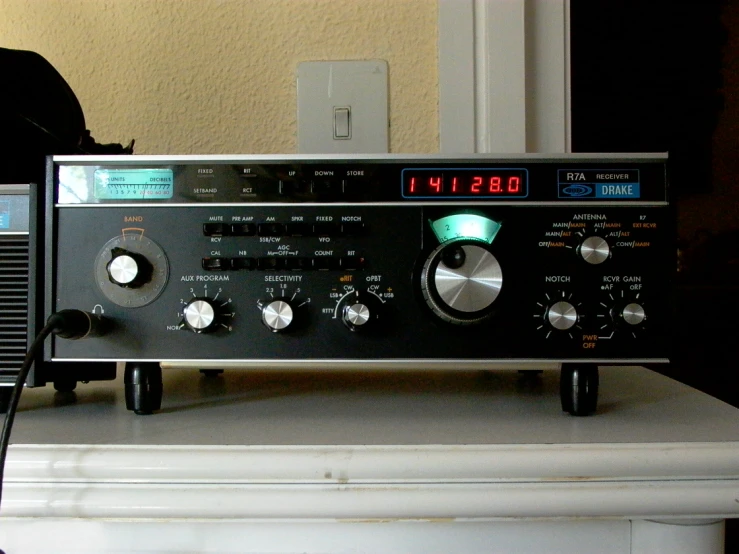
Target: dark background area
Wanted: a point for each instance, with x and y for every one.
(663, 76)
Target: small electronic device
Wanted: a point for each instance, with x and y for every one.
(21, 298)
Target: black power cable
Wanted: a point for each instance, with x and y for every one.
(68, 324)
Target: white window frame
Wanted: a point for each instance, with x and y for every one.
(504, 76)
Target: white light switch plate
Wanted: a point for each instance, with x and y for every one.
(360, 86)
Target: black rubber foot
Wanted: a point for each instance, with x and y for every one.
(143, 382)
(578, 389)
(65, 385)
(210, 373)
(5, 394)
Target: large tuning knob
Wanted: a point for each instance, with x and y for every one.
(460, 281)
(128, 269)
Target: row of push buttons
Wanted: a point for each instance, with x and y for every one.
(321, 263)
(270, 229)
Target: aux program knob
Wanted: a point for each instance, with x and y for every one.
(199, 315)
(460, 281)
(205, 315)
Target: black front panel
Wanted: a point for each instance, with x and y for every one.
(314, 271)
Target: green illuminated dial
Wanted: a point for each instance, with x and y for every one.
(467, 226)
(134, 184)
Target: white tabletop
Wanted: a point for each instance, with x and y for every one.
(636, 405)
(381, 445)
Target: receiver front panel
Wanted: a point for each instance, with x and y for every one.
(309, 267)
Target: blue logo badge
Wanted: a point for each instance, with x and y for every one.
(575, 190)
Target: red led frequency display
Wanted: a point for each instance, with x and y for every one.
(466, 183)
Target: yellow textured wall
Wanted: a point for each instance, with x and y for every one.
(218, 76)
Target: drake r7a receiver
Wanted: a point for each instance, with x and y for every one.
(387, 261)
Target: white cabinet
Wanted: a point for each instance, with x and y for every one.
(373, 462)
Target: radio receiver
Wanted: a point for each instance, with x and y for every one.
(374, 262)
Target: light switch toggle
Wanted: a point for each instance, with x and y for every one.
(342, 123)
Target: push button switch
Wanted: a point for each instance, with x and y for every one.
(243, 263)
(298, 229)
(327, 187)
(216, 264)
(351, 263)
(269, 264)
(352, 228)
(298, 264)
(216, 229)
(326, 229)
(326, 263)
(293, 186)
(271, 229)
(242, 229)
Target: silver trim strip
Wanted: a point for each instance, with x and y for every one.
(358, 204)
(14, 189)
(395, 158)
(13, 233)
(391, 364)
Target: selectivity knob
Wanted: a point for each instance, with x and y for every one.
(460, 281)
(200, 315)
(562, 315)
(128, 269)
(277, 315)
(594, 250)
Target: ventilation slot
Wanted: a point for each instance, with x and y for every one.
(13, 303)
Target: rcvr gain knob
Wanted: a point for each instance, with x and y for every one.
(633, 314)
(204, 315)
(460, 281)
(278, 315)
(623, 312)
(128, 269)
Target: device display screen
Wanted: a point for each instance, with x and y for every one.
(133, 184)
(465, 183)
